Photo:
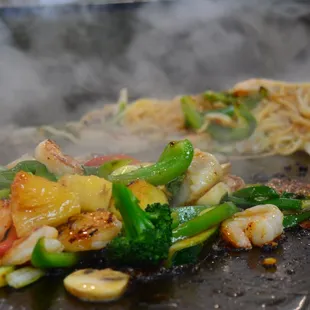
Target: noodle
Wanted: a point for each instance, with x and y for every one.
(283, 119)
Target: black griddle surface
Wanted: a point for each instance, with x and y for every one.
(222, 281)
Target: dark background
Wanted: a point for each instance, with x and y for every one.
(56, 63)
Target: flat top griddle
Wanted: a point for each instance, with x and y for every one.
(223, 280)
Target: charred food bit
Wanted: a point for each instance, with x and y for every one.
(269, 262)
(97, 285)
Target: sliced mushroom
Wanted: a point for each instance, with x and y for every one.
(97, 285)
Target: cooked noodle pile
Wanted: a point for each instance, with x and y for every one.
(283, 120)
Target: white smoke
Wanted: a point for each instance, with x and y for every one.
(54, 67)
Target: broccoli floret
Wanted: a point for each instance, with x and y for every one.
(146, 236)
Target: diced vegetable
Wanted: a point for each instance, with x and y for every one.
(97, 285)
(94, 193)
(186, 251)
(36, 201)
(204, 221)
(147, 193)
(173, 162)
(146, 234)
(41, 258)
(24, 276)
(4, 271)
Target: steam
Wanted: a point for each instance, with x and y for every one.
(61, 65)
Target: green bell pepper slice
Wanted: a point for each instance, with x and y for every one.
(43, 259)
(204, 221)
(246, 127)
(173, 162)
(193, 119)
(181, 215)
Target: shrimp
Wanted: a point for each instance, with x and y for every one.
(21, 250)
(204, 172)
(5, 218)
(89, 231)
(49, 153)
(256, 226)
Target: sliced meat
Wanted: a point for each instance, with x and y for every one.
(292, 186)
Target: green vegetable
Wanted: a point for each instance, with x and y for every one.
(229, 111)
(91, 170)
(245, 128)
(253, 195)
(173, 162)
(223, 97)
(193, 119)
(184, 214)
(30, 166)
(251, 101)
(4, 271)
(5, 193)
(122, 106)
(261, 194)
(204, 221)
(43, 259)
(294, 219)
(24, 276)
(6, 179)
(286, 203)
(107, 168)
(187, 251)
(34, 167)
(146, 237)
